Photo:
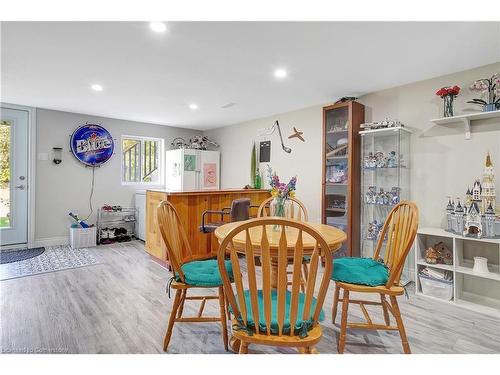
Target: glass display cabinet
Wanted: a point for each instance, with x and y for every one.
(340, 203)
(385, 179)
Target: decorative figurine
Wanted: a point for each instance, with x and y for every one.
(372, 162)
(339, 174)
(391, 160)
(382, 124)
(380, 160)
(380, 196)
(395, 192)
(477, 218)
(370, 196)
(386, 199)
(372, 230)
(439, 254)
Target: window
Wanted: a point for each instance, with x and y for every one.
(141, 160)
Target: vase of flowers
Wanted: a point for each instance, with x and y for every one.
(490, 89)
(281, 205)
(448, 94)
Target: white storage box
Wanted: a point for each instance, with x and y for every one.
(442, 289)
(82, 237)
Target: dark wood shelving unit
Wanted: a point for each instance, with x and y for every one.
(341, 126)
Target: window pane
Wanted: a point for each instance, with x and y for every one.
(150, 165)
(141, 160)
(131, 160)
(5, 140)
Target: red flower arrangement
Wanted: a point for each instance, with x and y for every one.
(445, 91)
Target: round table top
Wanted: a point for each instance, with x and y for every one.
(333, 236)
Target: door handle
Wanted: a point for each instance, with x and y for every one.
(20, 187)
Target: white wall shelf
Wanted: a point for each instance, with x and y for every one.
(467, 119)
(475, 291)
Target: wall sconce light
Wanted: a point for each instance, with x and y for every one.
(57, 151)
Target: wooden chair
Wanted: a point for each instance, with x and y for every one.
(298, 209)
(297, 213)
(263, 316)
(179, 254)
(399, 229)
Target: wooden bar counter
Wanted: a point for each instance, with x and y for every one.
(190, 206)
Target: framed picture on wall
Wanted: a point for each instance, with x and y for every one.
(265, 152)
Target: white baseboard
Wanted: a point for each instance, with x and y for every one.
(51, 241)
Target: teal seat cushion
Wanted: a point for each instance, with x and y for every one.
(204, 272)
(361, 271)
(301, 325)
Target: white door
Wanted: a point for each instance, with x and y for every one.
(13, 176)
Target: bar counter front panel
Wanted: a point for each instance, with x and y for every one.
(190, 206)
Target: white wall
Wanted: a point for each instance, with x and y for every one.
(66, 187)
(443, 162)
(304, 160)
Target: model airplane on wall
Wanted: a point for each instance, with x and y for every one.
(297, 134)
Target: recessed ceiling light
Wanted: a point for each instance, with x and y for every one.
(193, 106)
(158, 27)
(96, 87)
(280, 73)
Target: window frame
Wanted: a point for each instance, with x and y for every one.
(161, 158)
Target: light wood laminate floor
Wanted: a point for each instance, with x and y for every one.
(121, 306)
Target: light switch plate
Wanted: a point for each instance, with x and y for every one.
(43, 156)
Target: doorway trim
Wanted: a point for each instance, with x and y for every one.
(31, 170)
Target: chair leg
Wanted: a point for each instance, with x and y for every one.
(235, 344)
(222, 305)
(343, 323)
(171, 321)
(335, 303)
(387, 318)
(401, 327)
(243, 348)
(181, 303)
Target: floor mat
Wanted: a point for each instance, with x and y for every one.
(18, 255)
(55, 258)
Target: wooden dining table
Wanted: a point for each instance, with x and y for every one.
(334, 237)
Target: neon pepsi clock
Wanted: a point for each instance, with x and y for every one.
(92, 145)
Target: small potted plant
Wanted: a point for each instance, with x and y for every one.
(489, 87)
(448, 94)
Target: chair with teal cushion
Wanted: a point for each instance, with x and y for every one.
(189, 272)
(203, 273)
(300, 323)
(378, 275)
(279, 315)
(360, 271)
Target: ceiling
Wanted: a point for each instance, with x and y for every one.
(153, 77)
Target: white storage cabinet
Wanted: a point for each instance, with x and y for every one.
(472, 290)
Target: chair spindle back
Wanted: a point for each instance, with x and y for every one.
(399, 231)
(257, 233)
(174, 236)
(298, 210)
